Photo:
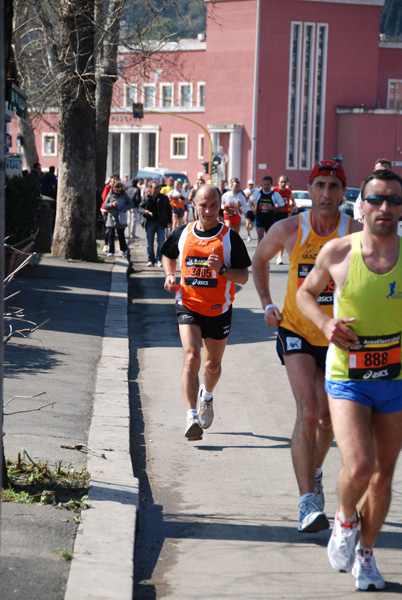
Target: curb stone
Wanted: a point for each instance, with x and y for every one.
(103, 563)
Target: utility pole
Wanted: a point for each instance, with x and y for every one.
(158, 112)
(2, 215)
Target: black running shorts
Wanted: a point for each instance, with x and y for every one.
(289, 342)
(216, 328)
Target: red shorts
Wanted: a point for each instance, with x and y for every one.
(235, 220)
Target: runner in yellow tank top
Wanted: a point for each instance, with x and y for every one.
(301, 347)
(364, 367)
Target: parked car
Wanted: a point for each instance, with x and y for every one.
(158, 172)
(302, 201)
(349, 200)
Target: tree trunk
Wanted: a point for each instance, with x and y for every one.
(29, 147)
(75, 229)
(104, 90)
(106, 75)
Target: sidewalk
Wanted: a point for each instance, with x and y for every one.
(80, 360)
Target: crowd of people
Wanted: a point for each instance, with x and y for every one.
(338, 333)
(163, 206)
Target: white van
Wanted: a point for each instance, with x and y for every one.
(158, 172)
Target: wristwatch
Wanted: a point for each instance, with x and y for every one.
(223, 270)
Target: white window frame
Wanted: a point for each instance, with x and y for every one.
(201, 145)
(294, 166)
(315, 158)
(173, 137)
(162, 86)
(181, 85)
(148, 86)
(308, 107)
(200, 84)
(54, 136)
(127, 102)
(392, 81)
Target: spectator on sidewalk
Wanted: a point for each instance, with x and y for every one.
(156, 210)
(134, 193)
(48, 183)
(104, 212)
(117, 203)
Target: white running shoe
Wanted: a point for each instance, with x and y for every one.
(205, 410)
(105, 248)
(365, 571)
(158, 263)
(319, 492)
(110, 253)
(279, 260)
(124, 253)
(341, 545)
(193, 429)
(311, 518)
(248, 239)
(150, 264)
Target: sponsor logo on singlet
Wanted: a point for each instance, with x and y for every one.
(326, 297)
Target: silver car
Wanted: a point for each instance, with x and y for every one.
(302, 201)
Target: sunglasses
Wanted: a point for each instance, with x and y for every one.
(378, 199)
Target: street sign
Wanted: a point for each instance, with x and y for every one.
(16, 99)
(13, 163)
(397, 163)
(138, 110)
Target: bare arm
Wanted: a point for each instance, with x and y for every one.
(239, 276)
(266, 250)
(169, 266)
(334, 329)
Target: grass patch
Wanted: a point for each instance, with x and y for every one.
(35, 483)
(65, 554)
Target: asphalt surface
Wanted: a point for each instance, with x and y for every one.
(218, 517)
(215, 518)
(79, 362)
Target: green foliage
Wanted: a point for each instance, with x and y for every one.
(175, 19)
(22, 202)
(34, 483)
(65, 554)
(391, 18)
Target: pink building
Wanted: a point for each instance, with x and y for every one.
(276, 86)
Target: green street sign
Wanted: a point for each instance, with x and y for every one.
(16, 99)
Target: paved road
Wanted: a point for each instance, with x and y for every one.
(60, 361)
(218, 517)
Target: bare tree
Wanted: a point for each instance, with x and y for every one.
(74, 234)
(107, 39)
(67, 50)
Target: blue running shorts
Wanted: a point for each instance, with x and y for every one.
(380, 396)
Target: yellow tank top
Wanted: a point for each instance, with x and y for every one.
(302, 259)
(375, 301)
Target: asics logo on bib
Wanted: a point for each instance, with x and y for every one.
(199, 282)
(375, 375)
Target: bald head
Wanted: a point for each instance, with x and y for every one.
(207, 190)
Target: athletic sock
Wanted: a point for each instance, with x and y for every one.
(207, 396)
(363, 549)
(305, 497)
(345, 519)
(318, 473)
(192, 412)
